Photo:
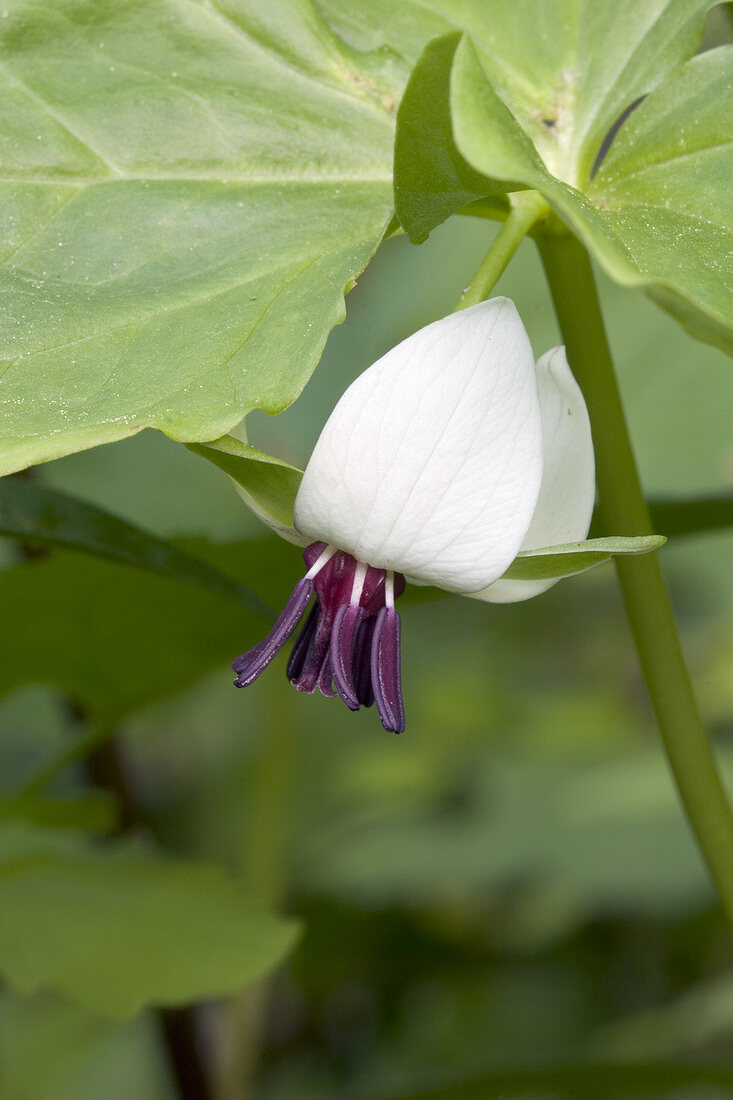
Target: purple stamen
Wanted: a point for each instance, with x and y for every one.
(363, 662)
(351, 638)
(386, 670)
(299, 652)
(325, 680)
(343, 636)
(310, 674)
(249, 665)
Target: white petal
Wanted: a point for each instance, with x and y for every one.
(431, 462)
(565, 503)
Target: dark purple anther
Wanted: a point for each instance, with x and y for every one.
(251, 664)
(299, 652)
(363, 662)
(351, 637)
(386, 670)
(343, 636)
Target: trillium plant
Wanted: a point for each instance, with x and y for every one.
(190, 190)
(446, 459)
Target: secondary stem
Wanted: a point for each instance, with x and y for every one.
(527, 208)
(624, 512)
(264, 859)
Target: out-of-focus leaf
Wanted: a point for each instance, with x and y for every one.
(611, 840)
(116, 638)
(700, 1018)
(38, 515)
(91, 811)
(51, 1050)
(687, 517)
(266, 484)
(609, 1080)
(188, 189)
(117, 928)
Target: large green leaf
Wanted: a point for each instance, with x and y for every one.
(36, 514)
(664, 191)
(114, 929)
(673, 241)
(188, 187)
(186, 191)
(657, 214)
(566, 70)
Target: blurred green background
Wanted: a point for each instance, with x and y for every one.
(504, 894)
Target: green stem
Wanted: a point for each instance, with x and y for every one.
(527, 208)
(624, 512)
(264, 867)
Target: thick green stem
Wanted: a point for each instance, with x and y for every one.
(624, 512)
(527, 208)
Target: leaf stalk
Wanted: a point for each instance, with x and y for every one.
(527, 208)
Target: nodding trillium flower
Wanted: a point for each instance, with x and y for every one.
(440, 463)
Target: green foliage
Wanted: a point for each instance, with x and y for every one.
(180, 265)
(93, 618)
(432, 180)
(89, 810)
(37, 515)
(686, 517)
(664, 193)
(117, 928)
(643, 214)
(187, 191)
(266, 484)
(607, 1082)
(576, 557)
(52, 1050)
(565, 71)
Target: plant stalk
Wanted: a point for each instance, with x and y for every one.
(264, 868)
(527, 208)
(624, 512)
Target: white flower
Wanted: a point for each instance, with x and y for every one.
(442, 462)
(452, 453)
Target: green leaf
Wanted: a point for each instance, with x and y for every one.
(431, 179)
(577, 557)
(36, 514)
(664, 191)
(90, 810)
(118, 928)
(566, 71)
(93, 618)
(187, 190)
(608, 1080)
(671, 238)
(266, 484)
(53, 1050)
